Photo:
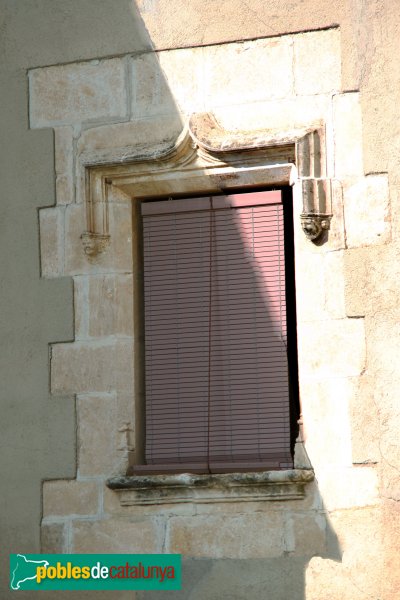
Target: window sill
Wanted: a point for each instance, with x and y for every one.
(229, 487)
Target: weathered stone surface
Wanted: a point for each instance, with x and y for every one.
(70, 497)
(233, 72)
(305, 533)
(52, 538)
(317, 62)
(367, 211)
(318, 345)
(168, 82)
(359, 574)
(117, 257)
(51, 222)
(347, 123)
(310, 276)
(326, 420)
(110, 305)
(77, 92)
(357, 277)
(334, 285)
(118, 536)
(383, 330)
(150, 93)
(63, 148)
(371, 276)
(102, 366)
(391, 548)
(186, 487)
(97, 434)
(348, 487)
(241, 536)
(112, 507)
(121, 141)
(81, 304)
(365, 422)
(384, 394)
(277, 115)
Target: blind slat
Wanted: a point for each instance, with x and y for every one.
(216, 373)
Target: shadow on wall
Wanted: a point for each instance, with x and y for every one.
(306, 531)
(286, 535)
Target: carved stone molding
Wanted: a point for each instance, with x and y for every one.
(211, 136)
(317, 213)
(96, 238)
(206, 158)
(230, 487)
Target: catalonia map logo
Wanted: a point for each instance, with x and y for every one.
(95, 572)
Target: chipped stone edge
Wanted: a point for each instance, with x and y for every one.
(229, 487)
(211, 136)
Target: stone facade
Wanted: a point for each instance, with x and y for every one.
(121, 129)
(110, 112)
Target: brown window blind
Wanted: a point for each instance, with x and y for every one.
(217, 396)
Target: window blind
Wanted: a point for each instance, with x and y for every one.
(216, 370)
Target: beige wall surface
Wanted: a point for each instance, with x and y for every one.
(37, 432)
(123, 99)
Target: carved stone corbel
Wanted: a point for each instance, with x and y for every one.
(314, 225)
(94, 243)
(316, 187)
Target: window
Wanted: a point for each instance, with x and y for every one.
(217, 276)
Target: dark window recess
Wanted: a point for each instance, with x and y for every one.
(217, 360)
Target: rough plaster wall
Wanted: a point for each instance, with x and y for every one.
(37, 433)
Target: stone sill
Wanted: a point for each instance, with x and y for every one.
(230, 487)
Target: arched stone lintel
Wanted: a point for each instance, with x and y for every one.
(206, 158)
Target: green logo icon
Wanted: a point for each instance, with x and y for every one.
(95, 571)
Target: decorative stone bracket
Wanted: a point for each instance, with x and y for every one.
(230, 487)
(316, 215)
(207, 158)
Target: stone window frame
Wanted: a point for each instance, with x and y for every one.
(207, 159)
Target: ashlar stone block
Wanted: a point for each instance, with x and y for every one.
(326, 420)
(83, 367)
(364, 418)
(358, 575)
(63, 141)
(278, 115)
(305, 533)
(334, 285)
(53, 538)
(70, 497)
(97, 440)
(347, 124)
(74, 93)
(51, 223)
(110, 305)
(123, 140)
(118, 536)
(367, 211)
(351, 487)
(240, 536)
(317, 62)
(334, 348)
(233, 72)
